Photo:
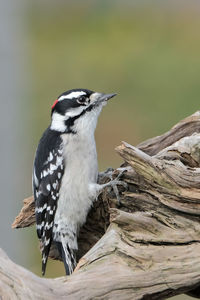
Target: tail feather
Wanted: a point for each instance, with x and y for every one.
(68, 257)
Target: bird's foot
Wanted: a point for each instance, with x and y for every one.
(113, 183)
(107, 174)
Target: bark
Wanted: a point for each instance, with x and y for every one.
(146, 247)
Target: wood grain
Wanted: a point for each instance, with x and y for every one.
(148, 247)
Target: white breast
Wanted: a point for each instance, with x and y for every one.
(81, 169)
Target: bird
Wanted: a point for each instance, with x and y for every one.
(65, 173)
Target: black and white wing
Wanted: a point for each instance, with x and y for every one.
(47, 176)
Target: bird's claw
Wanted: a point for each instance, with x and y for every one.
(106, 174)
(114, 182)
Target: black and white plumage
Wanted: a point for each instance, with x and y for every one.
(65, 172)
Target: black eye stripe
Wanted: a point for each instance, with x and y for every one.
(84, 100)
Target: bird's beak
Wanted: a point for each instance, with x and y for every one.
(105, 97)
(98, 98)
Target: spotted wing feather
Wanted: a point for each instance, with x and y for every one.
(47, 178)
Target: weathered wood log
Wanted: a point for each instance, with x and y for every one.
(148, 247)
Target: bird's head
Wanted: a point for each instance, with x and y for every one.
(77, 110)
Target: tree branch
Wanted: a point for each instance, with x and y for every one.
(146, 248)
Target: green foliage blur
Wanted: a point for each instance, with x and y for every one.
(147, 52)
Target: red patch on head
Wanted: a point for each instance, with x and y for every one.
(55, 102)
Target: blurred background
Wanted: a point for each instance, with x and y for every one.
(146, 51)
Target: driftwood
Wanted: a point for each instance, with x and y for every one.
(148, 247)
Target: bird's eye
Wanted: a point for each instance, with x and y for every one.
(82, 100)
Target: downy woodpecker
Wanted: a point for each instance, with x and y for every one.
(65, 172)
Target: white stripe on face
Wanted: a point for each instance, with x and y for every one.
(75, 111)
(58, 122)
(72, 95)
